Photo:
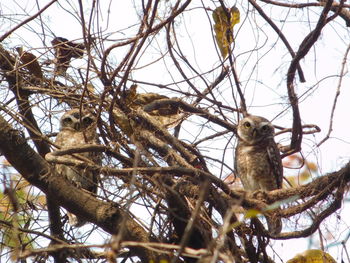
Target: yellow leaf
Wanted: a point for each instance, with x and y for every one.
(22, 184)
(251, 213)
(305, 176)
(235, 16)
(159, 261)
(292, 180)
(312, 166)
(312, 256)
(41, 200)
(5, 208)
(223, 27)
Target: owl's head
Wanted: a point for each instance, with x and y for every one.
(76, 120)
(254, 129)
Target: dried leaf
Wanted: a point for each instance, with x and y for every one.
(123, 122)
(305, 176)
(312, 256)
(312, 166)
(223, 28)
(40, 200)
(65, 50)
(292, 180)
(167, 115)
(30, 62)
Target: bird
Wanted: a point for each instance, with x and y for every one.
(65, 50)
(257, 160)
(30, 62)
(77, 128)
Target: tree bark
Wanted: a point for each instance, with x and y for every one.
(41, 174)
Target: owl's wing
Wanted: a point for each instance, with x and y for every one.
(96, 157)
(60, 138)
(276, 162)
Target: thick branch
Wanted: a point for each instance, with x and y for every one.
(40, 174)
(7, 63)
(189, 108)
(304, 48)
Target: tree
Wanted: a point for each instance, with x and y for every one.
(167, 83)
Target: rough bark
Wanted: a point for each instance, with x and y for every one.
(39, 173)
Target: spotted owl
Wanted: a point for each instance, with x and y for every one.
(257, 160)
(77, 129)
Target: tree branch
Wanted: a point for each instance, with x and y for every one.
(281, 35)
(39, 173)
(26, 21)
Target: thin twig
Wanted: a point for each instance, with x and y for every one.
(305, 46)
(330, 128)
(26, 21)
(281, 35)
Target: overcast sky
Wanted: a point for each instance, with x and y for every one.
(261, 62)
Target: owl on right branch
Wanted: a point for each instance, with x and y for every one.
(257, 160)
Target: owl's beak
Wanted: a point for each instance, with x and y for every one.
(255, 132)
(77, 126)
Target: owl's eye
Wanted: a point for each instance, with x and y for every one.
(247, 124)
(265, 128)
(87, 121)
(67, 120)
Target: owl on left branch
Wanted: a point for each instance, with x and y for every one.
(78, 128)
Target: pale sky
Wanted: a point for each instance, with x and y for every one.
(259, 56)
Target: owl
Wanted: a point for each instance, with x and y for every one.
(257, 160)
(64, 51)
(78, 128)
